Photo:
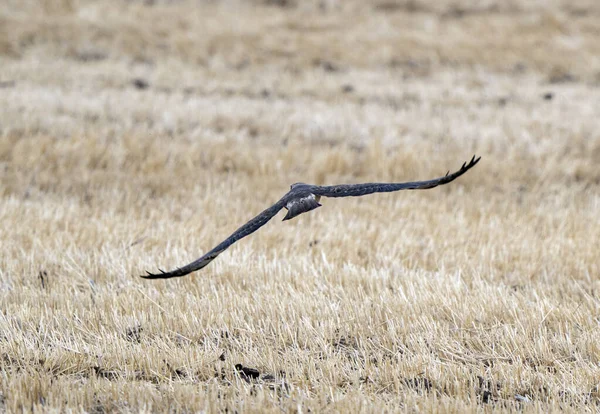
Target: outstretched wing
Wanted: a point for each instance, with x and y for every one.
(248, 228)
(354, 190)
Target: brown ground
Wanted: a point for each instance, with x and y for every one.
(139, 134)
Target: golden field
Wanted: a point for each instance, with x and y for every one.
(139, 134)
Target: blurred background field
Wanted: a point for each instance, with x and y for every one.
(139, 134)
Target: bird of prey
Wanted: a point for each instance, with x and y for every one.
(303, 198)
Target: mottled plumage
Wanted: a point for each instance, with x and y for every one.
(303, 198)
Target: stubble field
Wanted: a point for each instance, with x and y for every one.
(137, 135)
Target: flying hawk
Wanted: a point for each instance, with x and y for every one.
(303, 198)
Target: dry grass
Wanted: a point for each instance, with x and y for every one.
(483, 294)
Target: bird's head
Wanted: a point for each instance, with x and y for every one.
(296, 185)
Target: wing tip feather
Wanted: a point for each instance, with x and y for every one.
(474, 160)
(161, 275)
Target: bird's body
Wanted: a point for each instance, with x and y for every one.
(303, 198)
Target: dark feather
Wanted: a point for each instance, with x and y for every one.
(248, 228)
(355, 190)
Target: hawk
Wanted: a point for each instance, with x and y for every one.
(303, 198)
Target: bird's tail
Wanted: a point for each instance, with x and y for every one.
(301, 206)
